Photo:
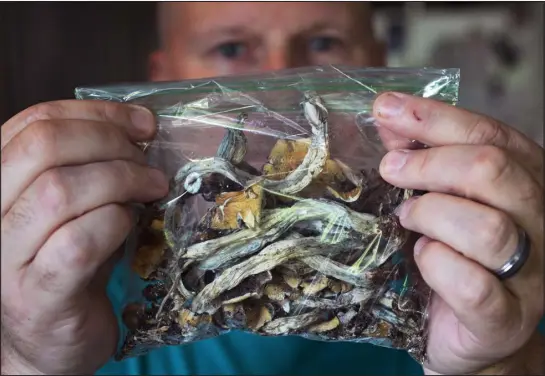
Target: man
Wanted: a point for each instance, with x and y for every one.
(68, 167)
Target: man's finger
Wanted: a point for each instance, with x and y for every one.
(104, 273)
(393, 141)
(60, 195)
(138, 121)
(435, 124)
(482, 173)
(476, 296)
(490, 236)
(45, 145)
(70, 258)
(480, 233)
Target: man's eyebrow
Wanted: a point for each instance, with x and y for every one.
(222, 30)
(206, 38)
(322, 25)
(237, 30)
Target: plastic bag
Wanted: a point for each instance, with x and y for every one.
(277, 221)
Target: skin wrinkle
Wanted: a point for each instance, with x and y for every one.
(40, 115)
(19, 217)
(10, 356)
(484, 131)
(491, 164)
(476, 219)
(479, 133)
(29, 116)
(31, 352)
(17, 348)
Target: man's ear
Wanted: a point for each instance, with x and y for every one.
(157, 66)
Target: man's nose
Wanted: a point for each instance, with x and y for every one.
(277, 58)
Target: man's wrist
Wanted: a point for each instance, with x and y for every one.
(527, 361)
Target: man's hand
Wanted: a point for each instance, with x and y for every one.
(529, 360)
(68, 170)
(485, 181)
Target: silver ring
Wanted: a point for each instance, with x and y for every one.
(519, 258)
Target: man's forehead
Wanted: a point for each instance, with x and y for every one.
(206, 16)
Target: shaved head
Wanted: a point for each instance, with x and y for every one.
(202, 39)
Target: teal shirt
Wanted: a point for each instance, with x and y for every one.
(249, 354)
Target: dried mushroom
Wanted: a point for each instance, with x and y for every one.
(325, 326)
(232, 208)
(186, 319)
(305, 247)
(150, 253)
(354, 177)
(295, 269)
(285, 325)
(234, 316)
(267, 259)
(285, 156)
(233, 145)
(275, 292)
(346, 317)
(292, 281)
(355, 296)
(259, 315)
(315, 285)
(157, 225)
(134, 316)
(251, 287)
(338, 287)
(335, 177)
(147, 259)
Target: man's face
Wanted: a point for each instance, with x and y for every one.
(215, 39)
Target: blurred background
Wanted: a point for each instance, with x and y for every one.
(49, 48)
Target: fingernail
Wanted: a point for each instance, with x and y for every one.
(402, 210)
(394, 161)
(142, 119)
(420, 244)
(390, 105)
(159, 179)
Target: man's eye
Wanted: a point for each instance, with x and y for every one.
(231, 50)
(323, 44)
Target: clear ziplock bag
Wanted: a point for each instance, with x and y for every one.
(277, 221)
